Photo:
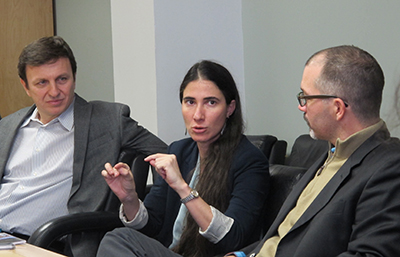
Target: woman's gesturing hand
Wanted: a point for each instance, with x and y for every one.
(120, 179)
(167, 166)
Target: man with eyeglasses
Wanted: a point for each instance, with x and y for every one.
(348, 202)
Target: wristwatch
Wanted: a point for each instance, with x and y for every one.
(193, 194)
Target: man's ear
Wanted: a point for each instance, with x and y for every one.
(340, 108)
(25, 87)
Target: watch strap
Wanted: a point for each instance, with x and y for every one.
(193, 194)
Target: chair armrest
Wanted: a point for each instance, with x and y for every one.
(74, 223)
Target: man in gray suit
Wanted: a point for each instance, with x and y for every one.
(52, 153)
(348, 202)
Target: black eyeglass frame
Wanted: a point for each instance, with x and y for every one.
(301, 96)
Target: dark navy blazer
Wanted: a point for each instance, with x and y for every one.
(248, 183)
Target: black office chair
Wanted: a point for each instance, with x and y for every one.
(306, 151)
(274, 149)
(278, 152)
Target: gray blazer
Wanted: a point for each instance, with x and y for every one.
(358, 211)
(102, 130)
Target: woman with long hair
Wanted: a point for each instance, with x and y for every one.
(213, 185)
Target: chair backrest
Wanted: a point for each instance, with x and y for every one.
(282, 180)
(274, 149)
(278, 152)
(263, 142)
(140, 170)
(306, 151)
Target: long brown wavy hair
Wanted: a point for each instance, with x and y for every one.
(213, 184)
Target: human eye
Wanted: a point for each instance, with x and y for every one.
(212, 102)
(41, 83)
(189, 102)
(63, 79)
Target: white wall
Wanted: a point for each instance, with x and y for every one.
(134, 59)
(139, 51)
(113, 42)
(279, 36)
(86, 26)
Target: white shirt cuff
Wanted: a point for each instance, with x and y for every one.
(218, 228)
(139, 221)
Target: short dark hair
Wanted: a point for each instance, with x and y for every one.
(353, 75)
(42, 51)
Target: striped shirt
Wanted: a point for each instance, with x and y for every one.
(38, 175)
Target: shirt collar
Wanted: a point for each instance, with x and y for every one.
(66, 118)
(344, 148)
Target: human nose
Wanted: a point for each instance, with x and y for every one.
(199, 113)
(302, 108)
(54, 91)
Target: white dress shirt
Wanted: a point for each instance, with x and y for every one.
(38, 175)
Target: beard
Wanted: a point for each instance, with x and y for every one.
(312, 132)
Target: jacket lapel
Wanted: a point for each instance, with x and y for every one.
(291, 200)
(9, 130)
(326, 194)
(189, 162)
(82, 114)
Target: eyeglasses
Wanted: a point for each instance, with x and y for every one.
(303, 98)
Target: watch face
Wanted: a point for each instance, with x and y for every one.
(195, 193)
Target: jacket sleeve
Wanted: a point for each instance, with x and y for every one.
(376, 227)
(162, 202)
(137, 137)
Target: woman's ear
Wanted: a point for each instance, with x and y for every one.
(231, 108)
